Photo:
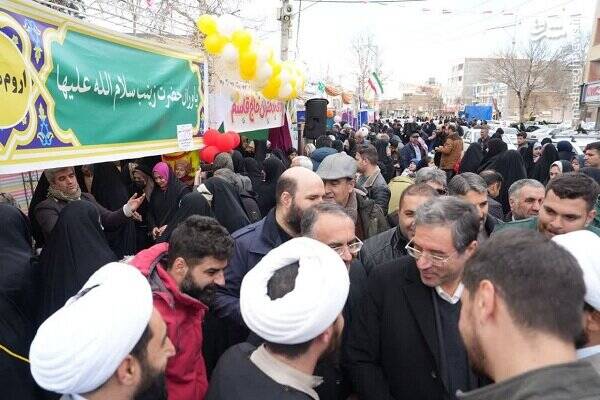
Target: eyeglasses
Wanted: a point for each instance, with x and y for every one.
(435, 260)
(353, 247)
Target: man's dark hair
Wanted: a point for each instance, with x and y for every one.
(338, 145)
(281, 283)
(593, 146)
(285, 184)
(368, 152)
(462, 184)
(575, 185)
(540, 282)
(323, 141)
(198, 237)
(461, 217)
(523, 134)
(490, 177)
(419, 189)
(311, 216)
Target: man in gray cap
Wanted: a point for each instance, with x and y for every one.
(338, 172)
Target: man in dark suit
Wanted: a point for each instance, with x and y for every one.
(404, 341)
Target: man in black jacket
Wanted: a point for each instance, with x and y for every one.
(404, 342)
(389, 245)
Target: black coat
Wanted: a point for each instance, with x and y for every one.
(392, 350)
(382, 248)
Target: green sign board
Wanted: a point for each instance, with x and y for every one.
(93, 95)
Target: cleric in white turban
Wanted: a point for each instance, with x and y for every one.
(584, 245)
(79, 348)
(293, 299)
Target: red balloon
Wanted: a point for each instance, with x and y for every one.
(210, 137)
(236, 138)
(225, 142)
(209, 153)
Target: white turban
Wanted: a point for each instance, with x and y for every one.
(79, 347)
(584, 245)
(318, 297)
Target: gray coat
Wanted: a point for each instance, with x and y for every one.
(47, 213)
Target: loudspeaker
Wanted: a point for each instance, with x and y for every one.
(316, 118)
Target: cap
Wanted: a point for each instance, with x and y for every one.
(337, 166)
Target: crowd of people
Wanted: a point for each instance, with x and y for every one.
(387, 262)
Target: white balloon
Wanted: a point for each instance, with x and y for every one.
(337, 119)
(285, 91)
(227, 24)
(285, 77)
(262, 53)
(230, 53)
(264, 72)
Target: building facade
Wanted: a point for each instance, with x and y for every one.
(590, 96)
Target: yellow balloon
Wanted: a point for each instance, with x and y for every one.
(271, 89)
(241, 39)
(248, 65)
(207, 24)
(276, 65)
(214, 43)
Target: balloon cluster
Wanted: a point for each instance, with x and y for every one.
(216, 142)
(254, 62)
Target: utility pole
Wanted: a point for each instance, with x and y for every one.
(285, 16)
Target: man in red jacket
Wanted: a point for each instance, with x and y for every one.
(183, 275)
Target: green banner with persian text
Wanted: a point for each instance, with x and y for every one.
(72, 93)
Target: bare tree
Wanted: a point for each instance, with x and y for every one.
(365, 53)
(532, 69)
(75, 8)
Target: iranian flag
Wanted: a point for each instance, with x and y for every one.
(375, 83)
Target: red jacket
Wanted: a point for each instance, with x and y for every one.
(186, 373)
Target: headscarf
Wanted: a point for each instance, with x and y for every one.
(18, 268)
(191, 204)
(39, 194)
(273, 168)
(80, 346)
(223, 160)
(75, 250)
(187, 179)
(541, 169)
(253, 171)
(510, 165)
(319, 294)
(528, 159)
(565, 150)
(226, 204)
(563, 166)
(110, 192)
(472, 158)
(495, 148)
(282, 157)
(238, 162)
(19, 294)
(164, 203)
(16, 333)
(163, 170)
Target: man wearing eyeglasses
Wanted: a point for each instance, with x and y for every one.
(404, 341)
(329, 223)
